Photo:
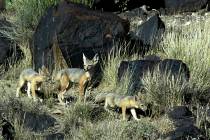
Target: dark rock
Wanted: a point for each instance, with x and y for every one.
(137, 68)
(8, 131)
(152, 57)
(137, 13)
(37, 122)
(31, 120)
(121, 5)
(2, 5)
(208, 113)
(203, 96)
(166, 6)
(75, 29)
(183, 121)
(55, 136)
(146, 29)
(9, 53)
(179, 112)
(106, 5)
(174, 67)
(175, 6)
(150, 3)
(184, 133)
(147, 35)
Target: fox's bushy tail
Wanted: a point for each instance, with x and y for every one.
(100, 97)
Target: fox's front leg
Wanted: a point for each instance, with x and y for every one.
(33, 88)
(123, 112)
(133, 112)
(82, 89)
(89, 89)
(64, 84)
(81, 93)
(106, 105)
(29, 89)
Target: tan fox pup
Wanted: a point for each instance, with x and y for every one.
(124, 102)
(33, 80)
(76, 75)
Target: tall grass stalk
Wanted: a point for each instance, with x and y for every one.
(85, 2)
(118, 54)
(14, 70)
(163, 90)
(25, 16)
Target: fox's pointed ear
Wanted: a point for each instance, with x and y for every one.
(96, 58)
(43, 70)
(39, 71)
(84, 59)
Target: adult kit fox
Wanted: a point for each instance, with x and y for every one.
(33, 79)
(79, 76)
(124, 102)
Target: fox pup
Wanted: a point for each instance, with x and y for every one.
(124, 102)
(76, 75)
(33, 79)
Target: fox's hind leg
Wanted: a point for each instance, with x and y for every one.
(64, 84)
(82, 90)
(124, 112)
(20, 85)
(33, 88)
(106, 105)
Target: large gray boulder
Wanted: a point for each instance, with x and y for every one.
(75, 29)
(137, 68)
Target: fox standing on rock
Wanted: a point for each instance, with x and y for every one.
(33, 79)
(76, 75)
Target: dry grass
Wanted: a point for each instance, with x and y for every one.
(111, 65)
(26, 62)
(191, 44)
(163, 91)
